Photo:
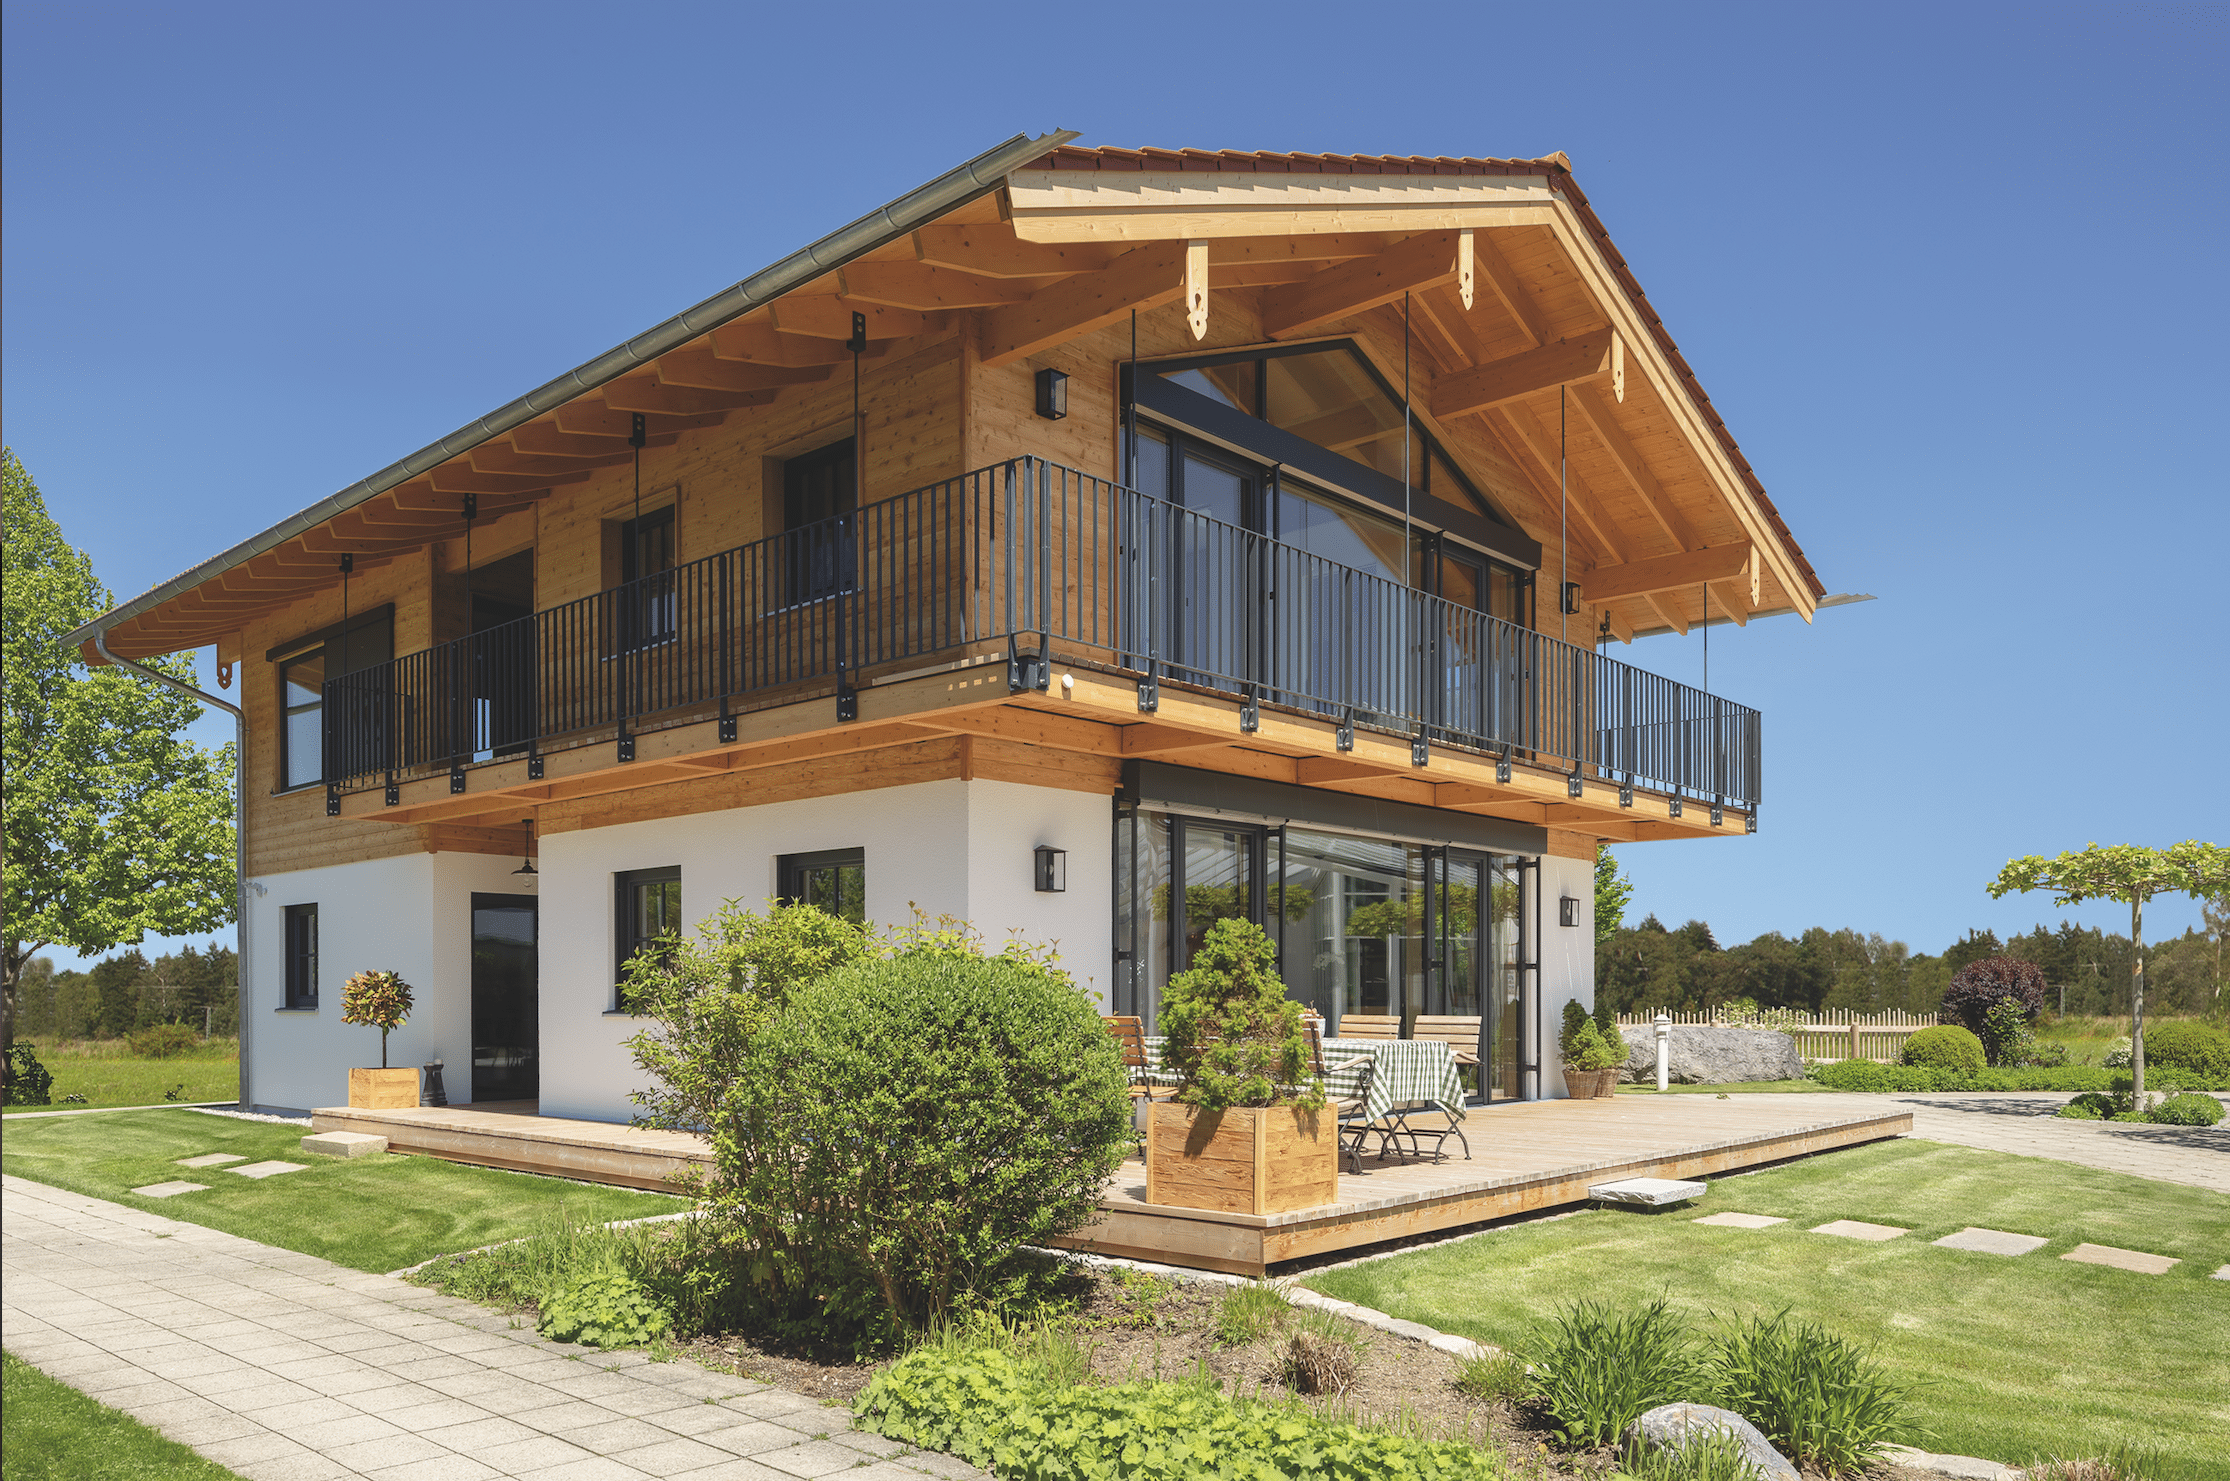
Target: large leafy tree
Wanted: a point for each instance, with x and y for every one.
(116, 825)
(2131, 875)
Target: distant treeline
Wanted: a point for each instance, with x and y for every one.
(120, 994)
(1646, 967)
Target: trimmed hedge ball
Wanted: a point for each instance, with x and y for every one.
(1944, 1047)
(2189, 1045)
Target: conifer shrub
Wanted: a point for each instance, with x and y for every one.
(1234, 1035)
(1945, 1047)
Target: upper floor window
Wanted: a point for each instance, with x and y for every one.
(647, 552)
(834, 880)
(649, 913)
(301, 956)
(819, 488)
(304, 667)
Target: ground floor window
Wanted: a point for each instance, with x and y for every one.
(834, 880)
(1363, 925)
(648, 910)
(301, 956)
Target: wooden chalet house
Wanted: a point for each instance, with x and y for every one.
(1091, 544)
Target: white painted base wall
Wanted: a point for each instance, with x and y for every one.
(1567, 958)
(962, 848)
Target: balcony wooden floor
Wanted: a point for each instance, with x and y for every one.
(1525, 1157)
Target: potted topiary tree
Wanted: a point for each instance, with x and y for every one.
(1587, 1059)
(1247, 1132)
(380, 1000)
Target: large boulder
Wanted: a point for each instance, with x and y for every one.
(1706, 1054)
(1674, 1426)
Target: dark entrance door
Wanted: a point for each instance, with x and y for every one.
(506, 1022)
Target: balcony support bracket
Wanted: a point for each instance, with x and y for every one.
(727, 723)
(1031, 670)
(1420, 750)
(1718, 812)
(1672, 808)
(1626, 791)
(626, 743)
(394, 791)
(847, 703)
(456, 778)
(1750, 820)
(1574, 787)
(333, 800)
(1347, 730)
(1250, 710)
(534, 766)
(1502, 765)
(1149, 688)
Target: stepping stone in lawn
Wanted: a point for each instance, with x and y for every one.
(2222, 1274)
(2106, 1254)
(1852, 1229)
(1740, 1221)
(211, 1159)
(268, 1169)
(1992, 1242)
(170, 1190)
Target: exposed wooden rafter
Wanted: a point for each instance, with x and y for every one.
(1423, 261)
(1514, 377)
(1142, 278)
(1735, 563)
(924, 287)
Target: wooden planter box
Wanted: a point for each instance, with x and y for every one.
(383, 1090)
(1241, 1161)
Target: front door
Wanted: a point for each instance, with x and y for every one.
(506, 1021)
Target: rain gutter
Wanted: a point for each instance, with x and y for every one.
(919, 207)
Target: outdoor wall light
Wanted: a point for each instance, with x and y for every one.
(1571, 598)
(1053, 395)
(1567, 911)
(1051, 869)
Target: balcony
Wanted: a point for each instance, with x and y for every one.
(1034, 564)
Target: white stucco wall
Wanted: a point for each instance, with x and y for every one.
(1567, 957)
(411, 915)
(950, 847)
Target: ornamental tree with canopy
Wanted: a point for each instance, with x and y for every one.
(2131, 874)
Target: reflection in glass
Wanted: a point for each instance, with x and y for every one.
(505, 1013)
(1219, 879)
(1353, 918)
(1504, 981)
(1332, 401)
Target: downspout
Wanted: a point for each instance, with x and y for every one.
(239, 833)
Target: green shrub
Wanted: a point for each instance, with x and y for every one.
(2006, 1033)
(1944, 1047)
(29, 1082)
(1234, 1035)
(1713, 1455)
(2118, 1054)
(1596, 1369)
(2187, 1110)
(2092, 1105)
(2185, 1044)
(1493, 1375)
(1821, 1401)
(1863, 1075)
(606, 1309)
(994, 1409)
(903, 1125)
(1606, 1024)
(380, 1000)
(163, 1041)
(1588, 1051)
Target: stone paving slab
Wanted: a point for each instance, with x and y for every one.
(170, 1190)
(211, 1159)
(2106, 1254)
(1993, 1242)
(1860, 1229)
(2222, 1274)
(262, 1170)
(287, 1368)
(1740, 1221)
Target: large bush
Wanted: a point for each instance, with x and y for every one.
(1861, 1074)
(1234, 1035)
(903, 1124)
(163, 1041)
(1980, 985)
(2186, 1044)
(1945, 1047)
(2187, 1110)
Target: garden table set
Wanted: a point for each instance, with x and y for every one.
(1407, 1077)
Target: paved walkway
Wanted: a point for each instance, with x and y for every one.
(289, 1368)
(2198, 1156)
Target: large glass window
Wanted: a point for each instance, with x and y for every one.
(1354, 918)
(366, 641)
(648, 917)
(834, 881)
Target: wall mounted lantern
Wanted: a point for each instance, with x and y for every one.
(1051, 870)
(1053, 395)
(1567, 911)
(1571, 598)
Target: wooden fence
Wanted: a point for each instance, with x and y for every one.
(1877, 1036)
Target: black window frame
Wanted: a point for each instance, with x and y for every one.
(300, 955)
(629, 939)
(791, 870)
(819, 557)
(340, 638)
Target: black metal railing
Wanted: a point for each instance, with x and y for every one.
(1043, 557)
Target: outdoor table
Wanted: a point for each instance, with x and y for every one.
(1411, 1075)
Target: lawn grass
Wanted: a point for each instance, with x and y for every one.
(371, 1213)
(51, 1432)
(107, 1073)
(2011, 1357)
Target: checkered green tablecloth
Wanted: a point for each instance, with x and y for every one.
(1412, 1073)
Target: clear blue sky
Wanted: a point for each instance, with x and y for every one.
(1953, 274)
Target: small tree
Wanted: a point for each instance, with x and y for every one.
(1613, 890)
(1984, 989)
(379, 1000)
(2133, 875)
(1234, 1035)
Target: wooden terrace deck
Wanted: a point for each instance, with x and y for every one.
(1526, 1157)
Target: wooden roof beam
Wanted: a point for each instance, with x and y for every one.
(1422, 261)
(594, 419)
(457, 478)
(504, 457)
(701, 368)
(1514, 377)
(925, 288)
(544, 439)
(1142, 278)
(827, 316)
(1737, 562)
(992, 250)
(1598, 419)
(758, 342)
(1509, 291)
